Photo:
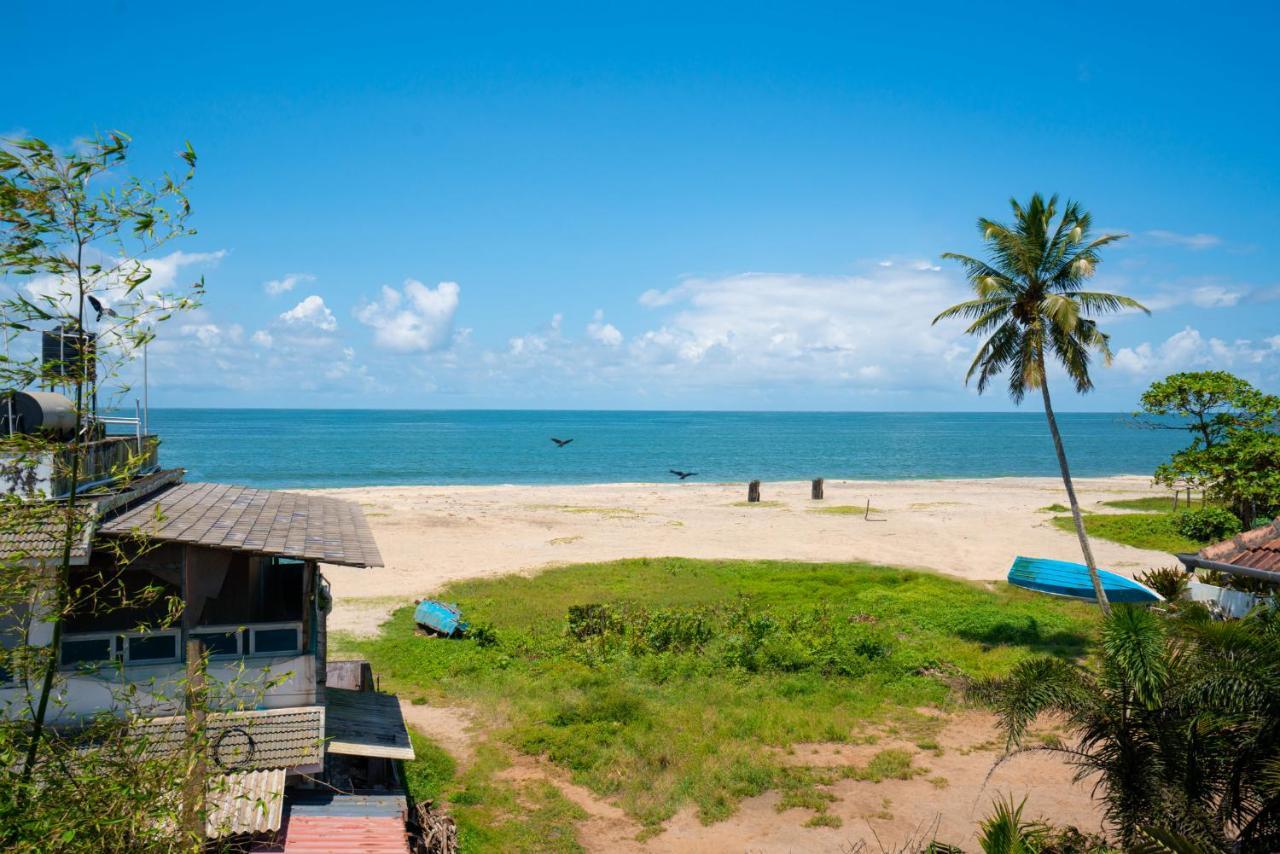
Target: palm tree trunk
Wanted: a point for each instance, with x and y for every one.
(1071, 495)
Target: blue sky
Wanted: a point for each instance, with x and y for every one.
(732, 206)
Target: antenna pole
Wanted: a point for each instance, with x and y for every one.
(146, 400)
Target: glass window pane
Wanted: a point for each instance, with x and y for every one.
(153, 648)
(75, 651)
(275, 640)
(220, 643)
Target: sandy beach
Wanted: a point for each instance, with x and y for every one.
(430, 535)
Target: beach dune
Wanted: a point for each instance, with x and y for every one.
(430, 535)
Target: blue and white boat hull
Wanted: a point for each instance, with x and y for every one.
(1060, 578)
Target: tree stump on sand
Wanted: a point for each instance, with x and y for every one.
(816, 492)
(753, 492)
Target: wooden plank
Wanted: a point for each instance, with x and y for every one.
(365, 723)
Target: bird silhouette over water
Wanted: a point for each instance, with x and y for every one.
(560, 443)
(101, 309)
(683, 474)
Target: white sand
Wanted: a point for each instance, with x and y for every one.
(430, 535)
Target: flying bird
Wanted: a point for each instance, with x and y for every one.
(683, 474)
(560, 443)
(101, 309)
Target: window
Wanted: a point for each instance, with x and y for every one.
(273, 640)
(151, 647)
(220, 643)
(87, 649)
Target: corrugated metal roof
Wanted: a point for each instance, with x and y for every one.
(305, 834)
(252, 740)
(1256, 549)
(365, 723)
(247, 802)
(260, 521)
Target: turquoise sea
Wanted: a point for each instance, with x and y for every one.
(329, 448)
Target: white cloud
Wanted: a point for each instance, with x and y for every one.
(311, 312)
(263, 338)
(604, 333)
(1215, 296)
(58, 290)
(286, 283)
(1194, 242)
(926, 267)
(1189, 350)
(419, 319)
(762, 327)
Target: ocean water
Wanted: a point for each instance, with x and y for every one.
(330, 448)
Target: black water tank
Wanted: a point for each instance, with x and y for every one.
(64, 348)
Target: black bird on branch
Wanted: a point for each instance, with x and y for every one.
(683, 474)
(101, 309)
(560, 443)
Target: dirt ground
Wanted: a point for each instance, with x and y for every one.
(946, 802)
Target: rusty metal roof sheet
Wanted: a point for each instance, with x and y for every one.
(247, 741)
(260, 521)
(1256, 549)
(245, 802)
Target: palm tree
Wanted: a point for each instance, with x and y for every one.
(1029, 299)
(1178, 721)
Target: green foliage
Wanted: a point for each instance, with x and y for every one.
(1169, 581)
(1154, 531)
(1151, 504)
(1235, 449)
(1030, 297)
(668, 682)
(1178, 723)
(1207, 525)
(84, 225)
(1005, 831)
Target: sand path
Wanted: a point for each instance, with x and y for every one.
(430, 535)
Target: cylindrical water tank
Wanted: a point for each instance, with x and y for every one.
(37, 412)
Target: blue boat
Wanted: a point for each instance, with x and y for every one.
(439, 618)
(1060, 578)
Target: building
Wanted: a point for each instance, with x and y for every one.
(1253, 556)
(246, 566)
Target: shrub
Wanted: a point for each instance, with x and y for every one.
(1208, 524)
(1169, 581)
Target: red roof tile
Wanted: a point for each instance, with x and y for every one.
(1256, 549)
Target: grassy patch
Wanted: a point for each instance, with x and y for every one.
(607, 512)
(493, 814)
(758, 504)
(1151, 504)
(564, 541)
(663, 682)
(844, 509)
(1055, 508)
(1153, 531)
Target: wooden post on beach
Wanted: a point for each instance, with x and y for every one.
(753, 492)
(816, 493)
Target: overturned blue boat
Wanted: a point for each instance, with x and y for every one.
(439, 618)
(1060, 578)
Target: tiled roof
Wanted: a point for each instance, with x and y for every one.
(320, 822)
(247, 741)
(1256, 549)
(37, 536)
(309, 527)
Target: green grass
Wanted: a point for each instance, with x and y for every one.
(758, 504)
(676, 691)
(1153, 531)
(492, 815)
(844, 509)
(1152, 504)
